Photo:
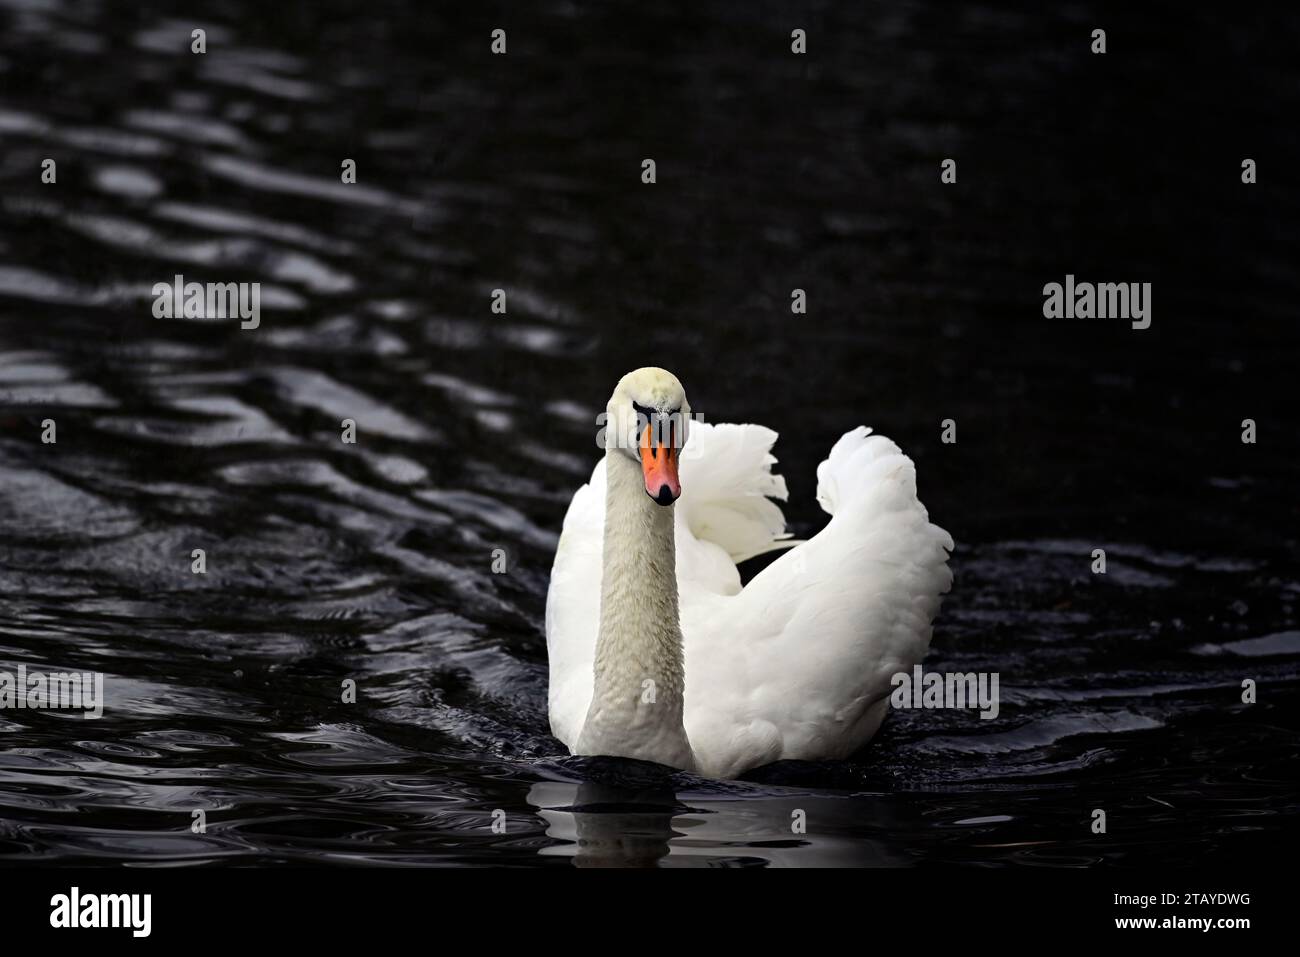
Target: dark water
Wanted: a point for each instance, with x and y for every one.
(373, 562)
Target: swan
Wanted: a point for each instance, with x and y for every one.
(655, 650)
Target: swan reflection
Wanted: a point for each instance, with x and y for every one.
(602, 824)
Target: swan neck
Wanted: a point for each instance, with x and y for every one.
(639, 624)
(636, 708)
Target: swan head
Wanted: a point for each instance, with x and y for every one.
(646, 420)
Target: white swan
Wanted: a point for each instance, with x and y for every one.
(657, 653)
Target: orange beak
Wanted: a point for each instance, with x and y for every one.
(659, 455)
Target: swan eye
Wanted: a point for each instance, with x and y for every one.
(670, 427)
(650, 413)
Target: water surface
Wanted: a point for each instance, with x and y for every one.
(372, 562)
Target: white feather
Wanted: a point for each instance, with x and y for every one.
(797, 664)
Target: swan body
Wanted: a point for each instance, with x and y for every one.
(657, 652)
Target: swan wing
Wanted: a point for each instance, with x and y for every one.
(727, 489)
(798, 664)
